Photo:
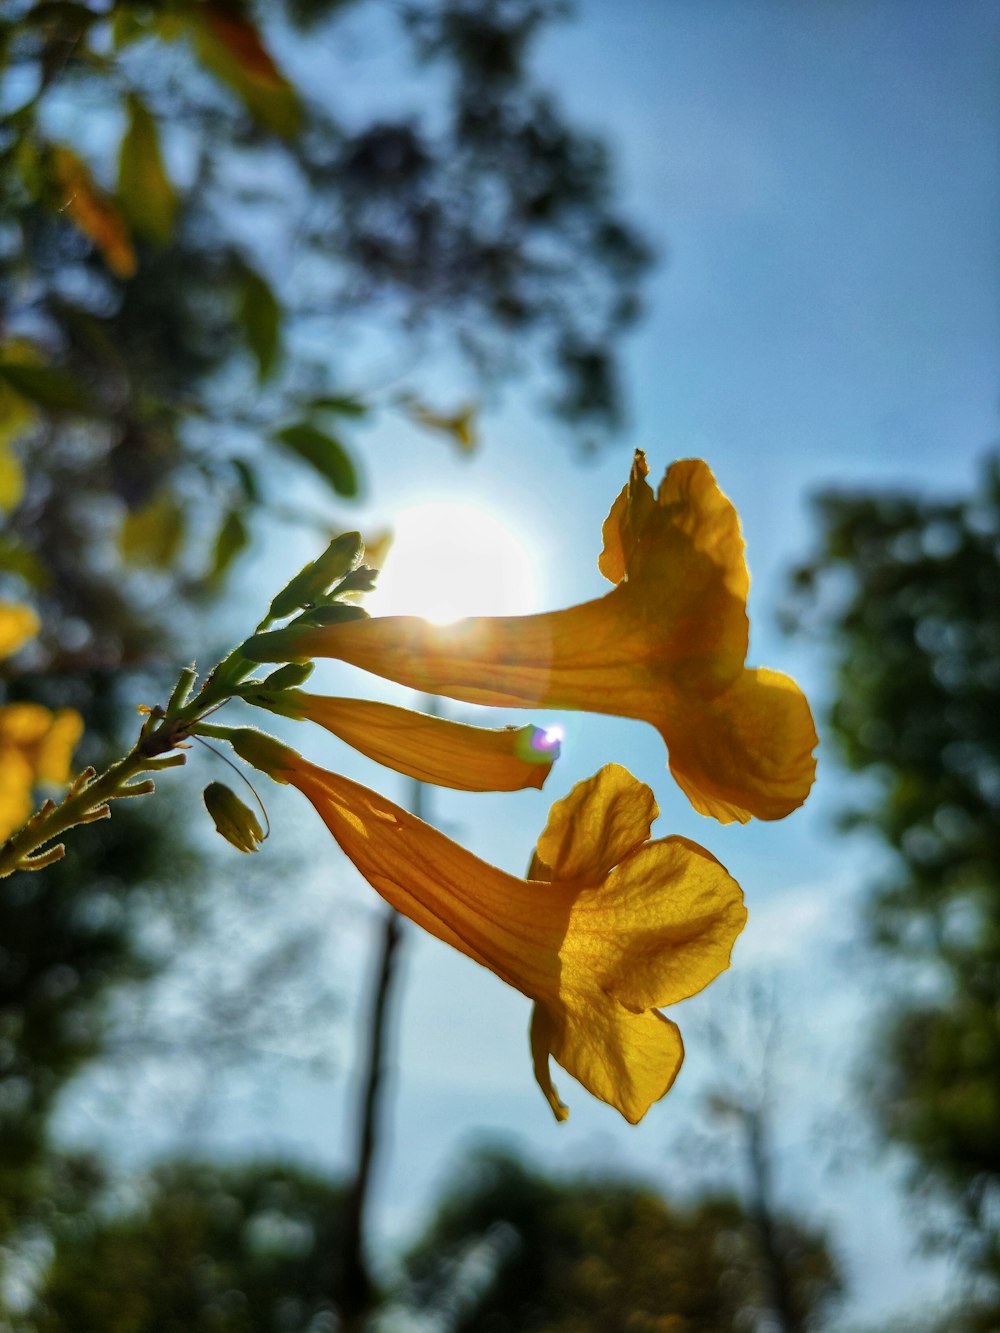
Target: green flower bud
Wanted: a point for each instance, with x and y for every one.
(334, 613)
(287, 677)
(235, 821)
(315, 580)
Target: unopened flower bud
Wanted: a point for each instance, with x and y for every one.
(289, 676)
(315, 580)
(235, 821)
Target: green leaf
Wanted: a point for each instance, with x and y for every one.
(322, 452)
(247, 478)
(153, 534)
(47, 386)
(342, 405)
(232, 538)
(145, 191)
(260, 315)
(16, 558)
(230, 47)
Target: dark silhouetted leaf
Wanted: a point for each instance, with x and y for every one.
(322, 452)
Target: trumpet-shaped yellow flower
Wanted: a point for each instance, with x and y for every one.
(667, 645)
(431, 749)
(609, 926)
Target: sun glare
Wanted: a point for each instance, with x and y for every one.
(450, 560)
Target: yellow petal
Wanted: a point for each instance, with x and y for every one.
(625, 524)
(17, 625)
(659, 928)
(593, 828)
(746, 752)
(627, 1060)
(429, 748)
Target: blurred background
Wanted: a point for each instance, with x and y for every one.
(270, 272)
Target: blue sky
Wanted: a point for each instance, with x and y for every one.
(822, 181)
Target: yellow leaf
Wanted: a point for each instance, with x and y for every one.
(460, 425)
(230, 46)
(94, 213)
(152, 535)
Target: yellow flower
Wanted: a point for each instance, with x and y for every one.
(609, 926)
(432, 749)
(667, 645)
(36, 745)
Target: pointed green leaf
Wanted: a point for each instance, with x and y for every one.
(232, 538)
(260, 315)
(340, 404)
(145, 191)
(322, 452)
(47, 386)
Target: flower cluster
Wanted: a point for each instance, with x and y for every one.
(609, 925)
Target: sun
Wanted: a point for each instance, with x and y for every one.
(450, 560)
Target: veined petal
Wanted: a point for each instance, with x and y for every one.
(431, 749)
(598, 824)
(674, 914)
(627, 1060)
(747, 752)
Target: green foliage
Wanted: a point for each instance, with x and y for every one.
(211, 1249)
(323, 453)
(512, 1251)
(69, 941)
(904, 591)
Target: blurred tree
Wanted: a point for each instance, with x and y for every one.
(207, 1249)
(192, 241)
(511, 1251)
(904, 591)
(194, 236)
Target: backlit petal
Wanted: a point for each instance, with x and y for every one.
(593, 828)
(627, 1060)
(673, 914)
(747, 752)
